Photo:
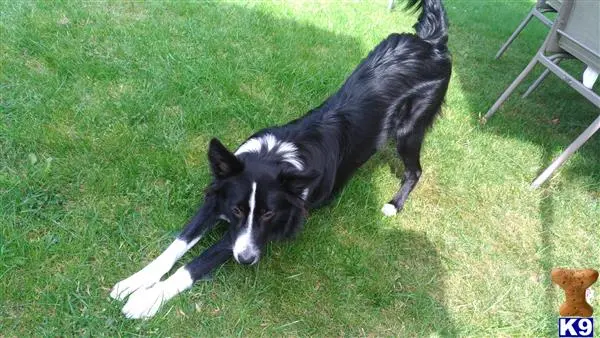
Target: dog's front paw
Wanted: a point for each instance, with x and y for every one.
(144, 303)
(135, 282)
(389, 210)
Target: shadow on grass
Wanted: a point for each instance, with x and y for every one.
(546, 261)
(551, 117)
(407, 277)
(349, 273)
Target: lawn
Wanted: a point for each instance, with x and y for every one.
(106, 109)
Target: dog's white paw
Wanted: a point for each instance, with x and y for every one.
(144, 303)
(389, 210)
(135, 282)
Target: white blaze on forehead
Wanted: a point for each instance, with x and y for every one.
(245, 243)
(268, 142)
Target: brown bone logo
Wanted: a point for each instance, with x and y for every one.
(574, 282)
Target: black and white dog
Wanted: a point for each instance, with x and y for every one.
(265, 187)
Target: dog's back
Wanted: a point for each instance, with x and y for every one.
(396, 91)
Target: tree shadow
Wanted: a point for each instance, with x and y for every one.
(349, 263)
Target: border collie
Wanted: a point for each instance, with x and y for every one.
(265, 187)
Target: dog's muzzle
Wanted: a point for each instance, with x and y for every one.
(246, 257)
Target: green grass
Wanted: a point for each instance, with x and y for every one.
(106, 109)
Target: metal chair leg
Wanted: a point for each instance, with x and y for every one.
(515, 33)
(511, 88)
(542, 77)
(579, 141)
(537, 83)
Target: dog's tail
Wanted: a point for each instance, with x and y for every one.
(432, 25)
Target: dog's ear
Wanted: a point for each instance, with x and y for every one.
(295, 182)
(222, 162)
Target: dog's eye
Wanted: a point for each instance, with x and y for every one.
(267, 215)
(237, 212)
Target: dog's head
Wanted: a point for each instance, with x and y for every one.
(255, 196)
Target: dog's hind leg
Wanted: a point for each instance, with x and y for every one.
(144, 303)
(204, 220)
(409, 149)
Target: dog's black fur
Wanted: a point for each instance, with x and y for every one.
(397, 91)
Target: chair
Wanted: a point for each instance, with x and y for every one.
(574, 34)
(538, 10)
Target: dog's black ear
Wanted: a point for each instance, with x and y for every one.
(222, 162)
(295, 182)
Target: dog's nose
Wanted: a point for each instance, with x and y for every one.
(246, 258)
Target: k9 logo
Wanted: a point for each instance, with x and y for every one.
(575, 327)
